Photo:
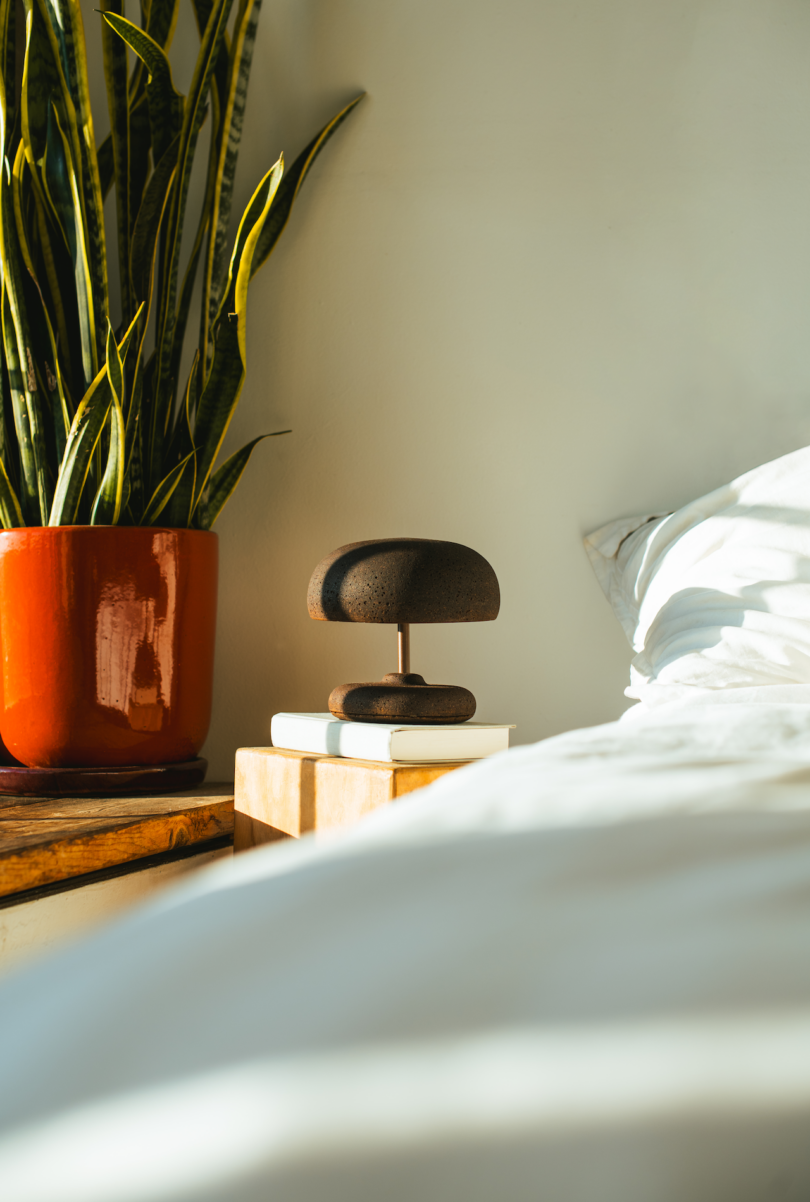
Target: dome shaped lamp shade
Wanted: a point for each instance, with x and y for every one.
(403, 581)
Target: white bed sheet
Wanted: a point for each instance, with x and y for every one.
(579, 970)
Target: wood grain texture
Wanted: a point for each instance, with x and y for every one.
(51, 840)
(280, 793)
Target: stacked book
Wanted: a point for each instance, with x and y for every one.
(390, 743)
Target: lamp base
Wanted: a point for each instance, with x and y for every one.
(402, 697)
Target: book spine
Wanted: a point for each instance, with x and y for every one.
(296, 735)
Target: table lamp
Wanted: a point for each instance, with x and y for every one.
(403, 580)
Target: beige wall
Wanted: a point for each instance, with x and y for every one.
(555, 270)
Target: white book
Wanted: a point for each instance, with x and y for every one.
(391, 743)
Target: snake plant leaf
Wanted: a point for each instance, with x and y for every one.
(180, 510)
(159, 20)
(60, 420)
(244, 40)
(106, 165)
(162, 22)
(57, 269)
(116, 77)
(6, 446)
(248, 236)
(163, 493)
(8, 58)
(69, 21)
(26, 401)
(22, 425)
(140, 145)
(62, 187)
(55, 35)
(224, 383)
(17, 171)
(189, 279)
(85, 432)
(147, 224)
(10, 512)
(107, 505)
(292, 182)
(62, 25)
(134, 470)
(43, 83)
(166, 104)
(173, 348)
(202, 13)
(192, 121)
(225, 479)
(129, 453)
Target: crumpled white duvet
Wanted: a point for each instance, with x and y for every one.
(577, 971)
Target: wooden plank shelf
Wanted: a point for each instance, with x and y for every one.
(53, 839)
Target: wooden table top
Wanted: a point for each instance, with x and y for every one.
(45, 840)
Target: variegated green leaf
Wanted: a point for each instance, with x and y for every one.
(6, 442)
(43, 82)
(163, 493)
(10, 69)
(85, 432)
(28, 468)
(130, 453)
(291, 185)
(26, 401)
(56, 404)
(159, 21)
(225, 379)
(107, 505)
(192, 121)
(62, 188)
(140, 145)
(166, 104)
(244, 40)
(84, 435)
(162, 21)
(10, 512)
(202, 14)
(70, 15)
(106, 165)
(116, 77)
(225, 479)
(150, 216)
(180, 509)
(57, 269)
(65, 25)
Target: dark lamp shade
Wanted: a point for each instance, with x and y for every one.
(404, 580)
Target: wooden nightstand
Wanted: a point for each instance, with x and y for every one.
(67, 863)
(284, 794)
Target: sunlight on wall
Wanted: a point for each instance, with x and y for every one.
(555, 270)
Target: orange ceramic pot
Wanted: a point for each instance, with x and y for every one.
(107, 644)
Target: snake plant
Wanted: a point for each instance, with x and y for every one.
(96, 426)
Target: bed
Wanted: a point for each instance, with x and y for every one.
(577, 971)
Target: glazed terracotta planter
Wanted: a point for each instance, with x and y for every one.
(106, 644)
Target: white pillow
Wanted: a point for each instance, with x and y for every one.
(716, 596)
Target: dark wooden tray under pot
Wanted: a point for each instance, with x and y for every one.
(19, 781)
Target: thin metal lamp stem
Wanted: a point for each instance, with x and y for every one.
(404, 647)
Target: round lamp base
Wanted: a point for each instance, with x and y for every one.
(402, 697)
